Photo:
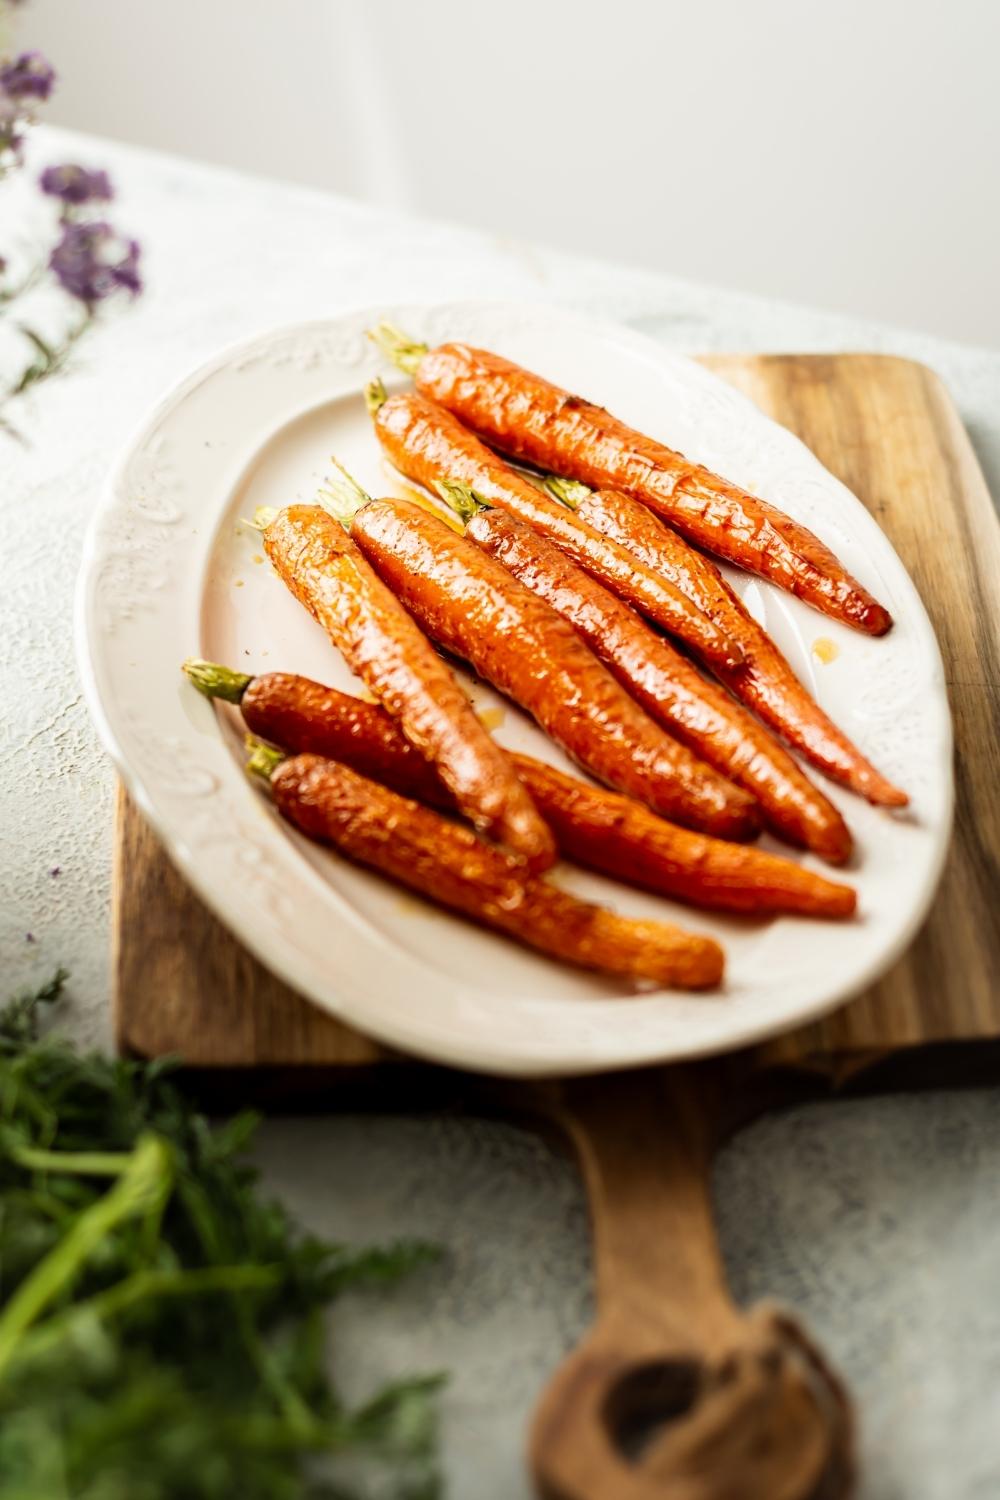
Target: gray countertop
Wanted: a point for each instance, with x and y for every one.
(878, 1220)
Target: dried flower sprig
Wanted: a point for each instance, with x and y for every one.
(25, 82)
(30, 76)
(90, 263)
(74, 185)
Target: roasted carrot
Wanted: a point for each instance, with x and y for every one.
(667, 686)
(594, 827)
(382, 645)
(765, 682)
(616, 836)
(448, 864)
(428, 445)
(530, 418)
(475, 609)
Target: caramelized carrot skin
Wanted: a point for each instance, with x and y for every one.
(305, 717)
(327, 573)
(765, 682)
(472, 607)
(616, 836)
(529, 417)
(668, 687)
(427, 443)
(448, 864)
(594, 827)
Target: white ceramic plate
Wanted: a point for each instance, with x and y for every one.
(170, 572)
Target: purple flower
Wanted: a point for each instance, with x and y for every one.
(92, 261)
(30, 76)
(76, 185)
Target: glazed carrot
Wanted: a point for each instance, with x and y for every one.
(530, 418)
(594, 827)
(616, 836)
(449, 865)
(667, 686)
(428, 445)
(599, 829)
(383, 646)
(765, 682)
(475, 609)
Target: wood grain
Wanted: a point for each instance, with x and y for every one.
(675, 1393)
(184, 985)
(887, 428)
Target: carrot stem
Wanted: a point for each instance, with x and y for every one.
(376, 395)
(462, 498)
(569, 492)
(263, 760)
(262, 517)
(216, 681)
(404, 352)
(342, 497)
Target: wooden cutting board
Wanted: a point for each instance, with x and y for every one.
(675, 1394)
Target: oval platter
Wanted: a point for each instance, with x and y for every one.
(170, 571)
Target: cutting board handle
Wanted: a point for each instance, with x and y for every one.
(675, 1393)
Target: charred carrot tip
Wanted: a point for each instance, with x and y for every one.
(889, 796)
(709, 965)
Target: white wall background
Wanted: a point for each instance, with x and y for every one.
(836, 152)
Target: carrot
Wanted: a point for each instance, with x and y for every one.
(615, 836)
(530, 418)
(448, 864)
(667, 686)
(475, 609)
(594, 827)
(383, 646)
(765, 682)
(428, 445)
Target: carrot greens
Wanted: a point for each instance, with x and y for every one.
(163, 1325)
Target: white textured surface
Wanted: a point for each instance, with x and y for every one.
(836, 154)
(879, 1220)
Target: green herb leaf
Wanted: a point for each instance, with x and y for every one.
(162, 1324)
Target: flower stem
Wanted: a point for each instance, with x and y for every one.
(49, 358)
(27, 283)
